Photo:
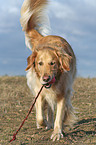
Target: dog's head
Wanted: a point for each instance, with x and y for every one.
(48, 64)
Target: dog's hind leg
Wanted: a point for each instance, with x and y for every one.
(50, 118)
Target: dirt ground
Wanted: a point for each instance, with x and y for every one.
(16, 99)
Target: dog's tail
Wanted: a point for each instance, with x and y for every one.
(33, 20)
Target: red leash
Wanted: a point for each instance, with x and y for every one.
(14, 135)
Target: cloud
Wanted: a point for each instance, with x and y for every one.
(61, 10)
(12, 46)
(75, 15)
(9, 15)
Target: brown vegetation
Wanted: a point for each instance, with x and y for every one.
(16, 99)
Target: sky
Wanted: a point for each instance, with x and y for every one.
(74, 20)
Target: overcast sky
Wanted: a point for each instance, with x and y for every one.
(75, 20)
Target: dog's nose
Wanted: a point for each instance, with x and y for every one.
(46, 78)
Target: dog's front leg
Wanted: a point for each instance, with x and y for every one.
(57, 133)
(39, 113)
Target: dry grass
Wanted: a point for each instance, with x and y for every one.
(16, 99)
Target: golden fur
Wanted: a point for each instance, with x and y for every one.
(52, 56)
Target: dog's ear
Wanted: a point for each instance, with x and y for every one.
(64, 60)
(31, 60)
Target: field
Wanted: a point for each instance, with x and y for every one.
(16, 99)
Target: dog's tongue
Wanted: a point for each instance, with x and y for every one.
(48, 85)
(52, 81)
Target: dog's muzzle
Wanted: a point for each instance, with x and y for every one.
(49, 83)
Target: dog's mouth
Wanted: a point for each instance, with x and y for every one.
(49, 84)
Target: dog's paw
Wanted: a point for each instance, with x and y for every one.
(48, 127)
(41, 124)
(57, 134)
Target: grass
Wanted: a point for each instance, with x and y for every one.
(16, 99)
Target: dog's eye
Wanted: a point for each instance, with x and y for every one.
(52, 63)
(40, 63)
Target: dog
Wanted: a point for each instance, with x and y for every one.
(52, 57)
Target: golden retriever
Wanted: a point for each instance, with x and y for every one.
(52, 57)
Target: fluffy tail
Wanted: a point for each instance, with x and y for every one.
(33, 19)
